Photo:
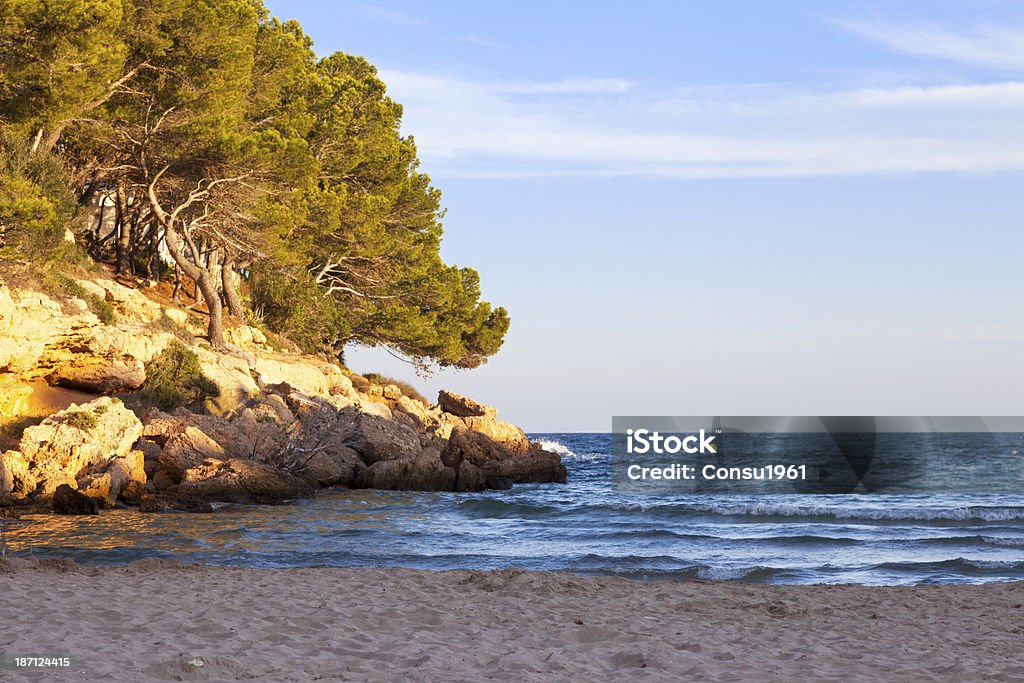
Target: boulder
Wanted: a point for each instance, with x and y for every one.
(242, 481)
(28, 321)
(68, 501)
(96, 486)
(15, 477)
(166, 502)
(371, 407)
(187, 449)
(413, 412)
(79, 440)
(494, 461)
(334, 465)
(505, 434)
(124, 470)
(99, 358)
(232, 377)
(463, 406)
(304, 375)
(425, 472)
(274, 407)
(150, 455)
(375, 439)
(133, 492)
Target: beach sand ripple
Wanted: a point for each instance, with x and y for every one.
(154, 620)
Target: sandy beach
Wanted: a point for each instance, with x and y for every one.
(153, 620)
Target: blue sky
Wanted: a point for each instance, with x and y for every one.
(720, 208)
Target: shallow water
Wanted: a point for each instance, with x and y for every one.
(583, 526)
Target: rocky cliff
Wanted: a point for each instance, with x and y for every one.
(281, 426)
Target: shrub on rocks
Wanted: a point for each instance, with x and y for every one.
(174, 378)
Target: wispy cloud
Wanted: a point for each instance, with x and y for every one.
(388, 15)
(474, 39)
(1000, 47)
(609, 127)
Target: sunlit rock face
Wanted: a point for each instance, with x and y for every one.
(79, 442)
(282, 426)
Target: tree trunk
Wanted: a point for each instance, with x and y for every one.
(230, 280)
(154, 255)
(215, 330)
(124, 238)
(176, 294)
(50, 139)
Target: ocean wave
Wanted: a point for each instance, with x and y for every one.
(958, 566)
(763, 511)
(955, 514)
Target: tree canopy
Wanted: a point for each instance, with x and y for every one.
(277, 181)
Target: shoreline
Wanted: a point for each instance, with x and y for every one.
(154, 619)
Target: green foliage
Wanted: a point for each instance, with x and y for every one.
(303, 174)
(36, 204)
(81, 419)
(297, 308)
(174, 378)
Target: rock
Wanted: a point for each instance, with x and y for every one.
(133, 492)
(187, 449)
(341, 385)
(536, 465)
(371, 407)
(95, 486)
(14, 396)
(463, 406)
(423, 473)
(68, 501)
(130, 304)
(253, 433)
(176, 316)
(275, 407)
(150, 455)
(242, 481)
(15, 477)
(336, 465)
(469, 477)
(413, 412)
(28, 320)
(124, 470)
(232, 377)
(246, 337)
(505, 434)
(164, 502)
(120, 471)
(97, 374)
(304, 375)
(99, 358)
(79, 440)
(375, 439)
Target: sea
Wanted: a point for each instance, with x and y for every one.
(968, 531)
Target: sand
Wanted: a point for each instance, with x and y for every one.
(155, 621)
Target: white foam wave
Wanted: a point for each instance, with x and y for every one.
(552, 446)
(723, 573)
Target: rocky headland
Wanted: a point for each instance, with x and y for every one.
(80, 436)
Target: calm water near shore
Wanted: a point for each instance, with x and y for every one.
(584, 526)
